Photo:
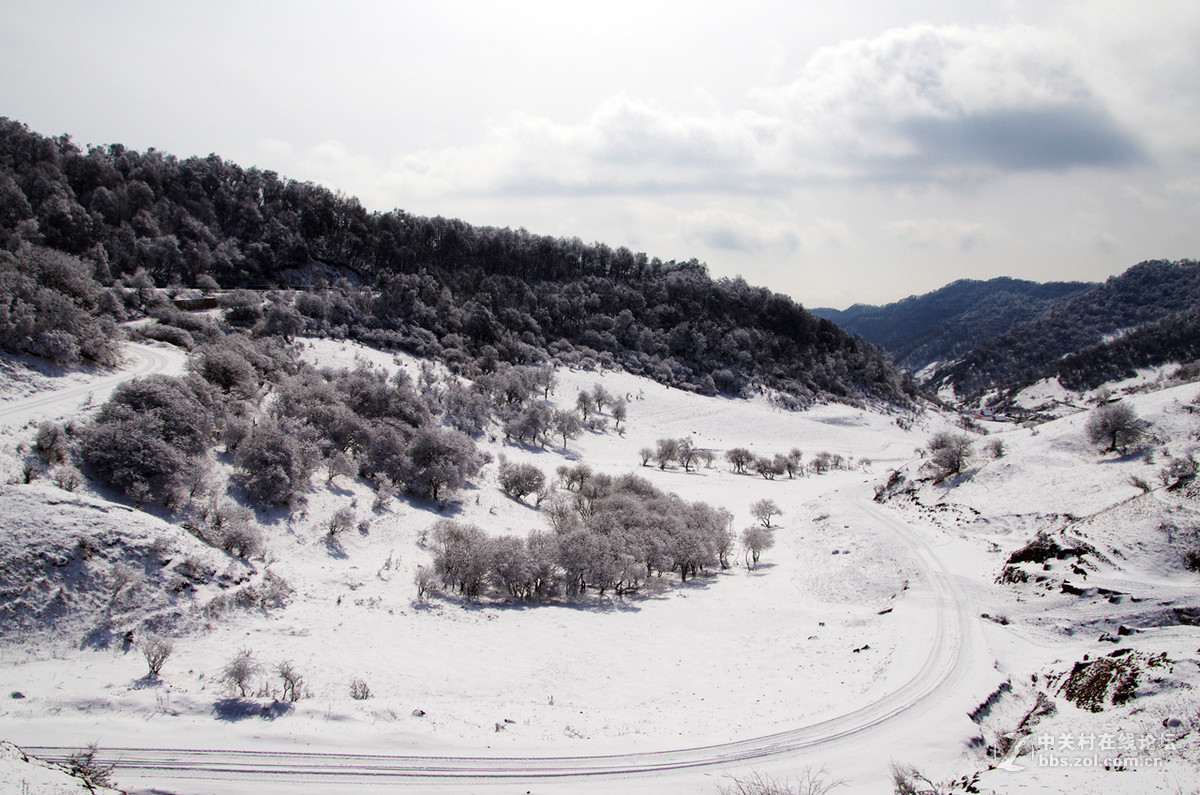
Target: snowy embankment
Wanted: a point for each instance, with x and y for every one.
(851, 613)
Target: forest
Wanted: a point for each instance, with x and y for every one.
(433, 286)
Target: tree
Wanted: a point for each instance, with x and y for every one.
(601, 397)
(687, 454)
(769, 467)
(756, 540)
(764, 511)
(566, 424)
(949, 452)
(791, 462)
(239, 671)
(293, 682)
(739, 458)
(585, 403)
(517, 480)
(442, 460)
(619, 413)
(666, 451)
(1115, 425)
(156, 651)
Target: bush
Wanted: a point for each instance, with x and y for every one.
(52, 443)
(359, 690)
(275, 463)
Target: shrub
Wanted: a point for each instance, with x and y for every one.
(359, 690)
(275, 463)
(67, 477)
(52, 443)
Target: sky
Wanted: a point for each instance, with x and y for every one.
(860, 151)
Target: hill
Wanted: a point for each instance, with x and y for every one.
(433, 286)
(945, 324)
(1148, 293)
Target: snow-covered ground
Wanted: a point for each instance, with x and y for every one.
(857, 641)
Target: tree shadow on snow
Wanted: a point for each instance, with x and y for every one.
(235, 709)
(334, 547)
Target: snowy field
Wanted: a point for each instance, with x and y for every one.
(860, 639)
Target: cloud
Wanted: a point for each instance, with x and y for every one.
(925, 103)
(939, 233)
(727, 231)
(919, 104)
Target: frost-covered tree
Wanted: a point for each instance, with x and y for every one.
(240, 671)
(756, 539)
(442, 460)
(1114, 426)
(739, 458)
(156, 650)
(519, 479)
(764, 511)
(949, 452)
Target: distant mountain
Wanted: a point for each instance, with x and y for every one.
(473, 296)
(947, 323)
(1146, 315)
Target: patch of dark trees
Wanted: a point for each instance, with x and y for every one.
(473, 295)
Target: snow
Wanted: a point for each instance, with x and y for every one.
(859, 609)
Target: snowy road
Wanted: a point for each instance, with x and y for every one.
(147, 360)
(952, 655)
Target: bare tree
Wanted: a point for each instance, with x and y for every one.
(292, 680)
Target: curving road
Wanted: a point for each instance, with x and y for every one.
(147, 360)
(951, 656)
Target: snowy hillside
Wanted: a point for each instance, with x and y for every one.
(869, 632)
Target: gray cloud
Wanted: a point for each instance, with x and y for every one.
(1023, 139)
